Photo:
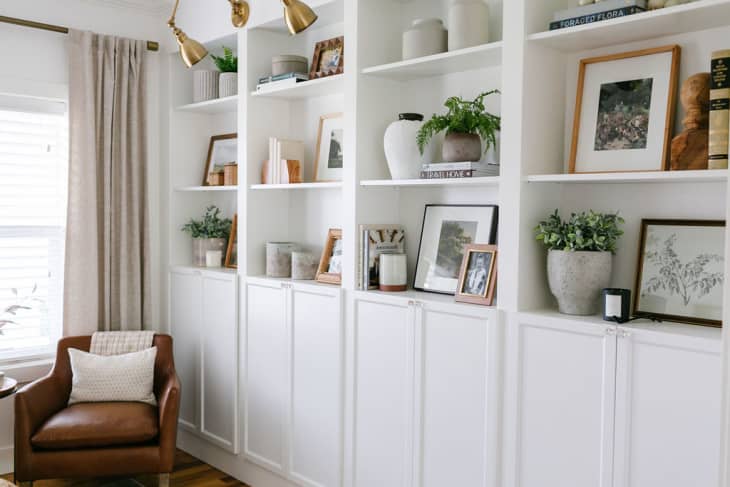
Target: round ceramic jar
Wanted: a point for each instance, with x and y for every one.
(468, 24)
(228, 85)
(288, 63)
(424, 38)
(393, 272)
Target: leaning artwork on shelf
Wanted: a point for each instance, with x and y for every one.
(478, 275)
(624, 112)
(446, 230)
(223, 149)
(330, 265)
(329, 158)
(328, 58)
(681, 271)
(232, 250)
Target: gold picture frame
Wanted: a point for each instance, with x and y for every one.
(328, 58)
(326, 273)
(478, 275)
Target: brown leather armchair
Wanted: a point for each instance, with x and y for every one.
(53, 440)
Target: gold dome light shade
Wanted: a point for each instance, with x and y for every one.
(298, 16)
(191, 50)
(239, 12)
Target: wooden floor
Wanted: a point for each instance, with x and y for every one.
(189, 472)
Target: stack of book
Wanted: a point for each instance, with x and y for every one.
(289, 154)
(376, 240)
(596, 12)
(448, 170)
(271, 83)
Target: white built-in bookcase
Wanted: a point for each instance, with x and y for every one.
(536, 71)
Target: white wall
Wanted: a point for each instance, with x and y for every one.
(35, 62)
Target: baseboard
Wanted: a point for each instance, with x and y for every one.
(234, 465)
(6, 460)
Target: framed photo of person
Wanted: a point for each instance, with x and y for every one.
(447, 229)
(681, 271)
(330, 265)
(328, 59)
(223, 149)
(232, 250)
(478, 276)
(624, 111)
(329, 157)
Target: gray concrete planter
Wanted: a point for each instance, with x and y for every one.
(462, 148)
(203, 245)
(576, 279)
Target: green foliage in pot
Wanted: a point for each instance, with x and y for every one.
(227, 63)
(591, 231)
(211, 226)
(463, 117)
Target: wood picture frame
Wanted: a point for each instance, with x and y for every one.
(232, 251)
(603, 150)
(328, 58)
(327, 165)
(212, 161)
(478, 279)
(670, 273)
(325, 272)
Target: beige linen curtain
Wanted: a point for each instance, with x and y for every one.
(107, 277)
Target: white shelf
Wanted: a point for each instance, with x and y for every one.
(207, 270)
(401, 183)
(200, 189)
(331, 85)
(423, 297)
(270, 187)
(468, 59)
(219, 105)
(714, 176)
(690, 17)
(289, 280)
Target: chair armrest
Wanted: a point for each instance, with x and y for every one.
(168, 402)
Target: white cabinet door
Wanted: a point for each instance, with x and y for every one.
(185, 319)
(667, 410)
(456, 381)
(561, 407)
(383, 409)
(219, 358)
(315, 440)
(267, 373)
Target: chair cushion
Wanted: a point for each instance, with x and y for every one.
(94, 425)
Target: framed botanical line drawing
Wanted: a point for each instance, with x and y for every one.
(330, 265)
(478, 276)
(223, 149)
(232, 251)
(624, 111)
(680, 275)
(446, 230)
(329, 157)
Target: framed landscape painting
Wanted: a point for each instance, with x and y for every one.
(447, 230)
(681, 271)
(624, 111)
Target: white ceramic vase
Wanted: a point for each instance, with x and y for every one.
(468, 24)
(205, 85)
(228, 85)
(424, 38)
(401, 150)
(576, 279)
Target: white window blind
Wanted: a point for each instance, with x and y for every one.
(33, 181)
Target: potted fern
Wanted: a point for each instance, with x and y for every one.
(210, 233)
(227, 64)
(580, 257)
(466, 124)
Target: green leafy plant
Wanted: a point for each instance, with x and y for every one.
(227, 63)
(211, 226)
(591, 231)
(463, 117)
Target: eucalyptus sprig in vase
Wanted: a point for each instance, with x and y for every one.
(580, 257)
(210, 233)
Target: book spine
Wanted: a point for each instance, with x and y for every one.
(454, 166)
(595, 8)
(597, 17)
(719, 110)
(463, 173)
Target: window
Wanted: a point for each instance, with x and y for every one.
(33, 181)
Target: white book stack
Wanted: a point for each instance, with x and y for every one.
(284, 152)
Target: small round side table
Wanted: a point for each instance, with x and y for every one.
(7, 386)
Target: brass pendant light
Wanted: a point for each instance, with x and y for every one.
(191, 51)
(298, 16)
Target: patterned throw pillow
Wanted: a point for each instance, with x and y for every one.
(127, 377)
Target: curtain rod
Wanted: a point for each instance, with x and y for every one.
(151, 45)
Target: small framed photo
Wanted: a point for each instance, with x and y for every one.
(681, 271)
(232, 251)
(329, 158)
(328, 59)
(478, 276)
(624, 111)
(447, 229)
(330, 265)
(223, 150)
